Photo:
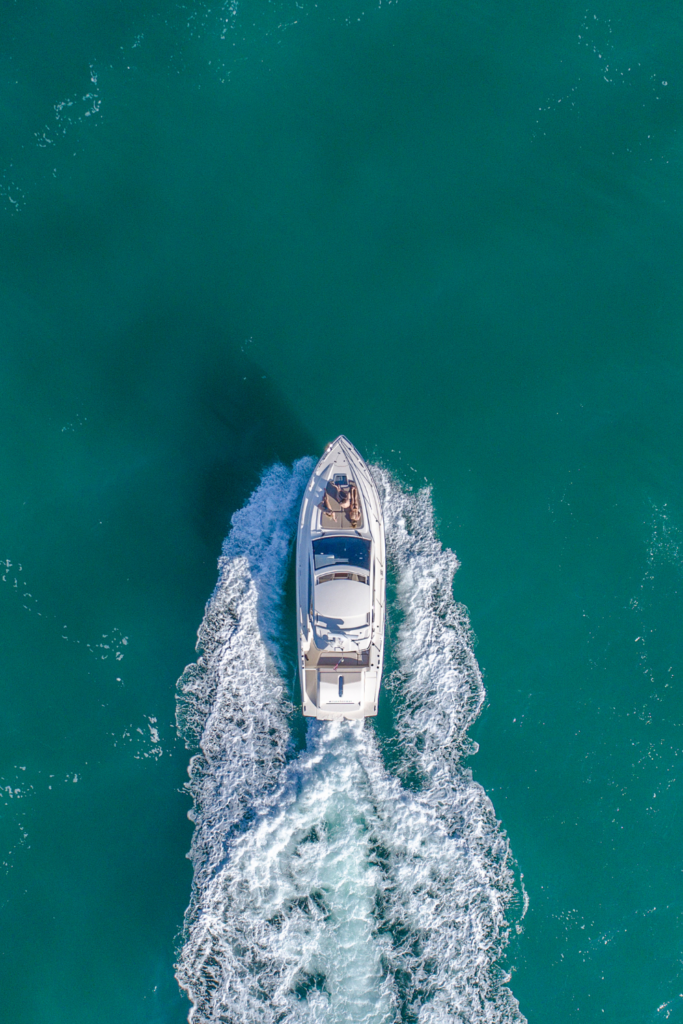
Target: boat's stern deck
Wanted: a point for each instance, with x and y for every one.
(333, 693)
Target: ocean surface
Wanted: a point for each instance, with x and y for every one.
(229, 233)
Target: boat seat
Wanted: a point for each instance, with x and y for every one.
(338, 518)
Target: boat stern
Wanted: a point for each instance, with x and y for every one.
(334, 694)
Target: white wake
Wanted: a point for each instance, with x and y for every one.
(326, 887)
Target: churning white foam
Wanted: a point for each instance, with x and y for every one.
(231, 702)
(327, 888)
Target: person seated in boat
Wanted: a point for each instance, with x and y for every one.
(354, 506)
(341, 494)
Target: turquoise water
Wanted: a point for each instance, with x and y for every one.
(452, 232)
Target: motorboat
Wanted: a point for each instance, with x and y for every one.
(340, 587)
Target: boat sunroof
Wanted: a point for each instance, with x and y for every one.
(333, 551)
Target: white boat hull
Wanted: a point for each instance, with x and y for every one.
(341, 589)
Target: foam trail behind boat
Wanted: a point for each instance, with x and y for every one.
(231, 702)
(452, 875)
(327, 891)
(289, 919)
(440, 683)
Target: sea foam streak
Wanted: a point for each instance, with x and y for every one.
(231, 701)
(325, 889)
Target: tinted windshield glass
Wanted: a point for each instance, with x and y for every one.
(341, 551)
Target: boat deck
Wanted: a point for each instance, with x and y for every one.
(338, 518)
(331, 659)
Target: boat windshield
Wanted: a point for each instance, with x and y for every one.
(341, 551)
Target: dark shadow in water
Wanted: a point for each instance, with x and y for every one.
(205, 419)
(219, 423)
(253, 429)
(235, 421)
(172, 427)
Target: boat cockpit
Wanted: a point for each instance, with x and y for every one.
(342, 598)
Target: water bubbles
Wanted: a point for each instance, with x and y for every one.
(325, 888)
